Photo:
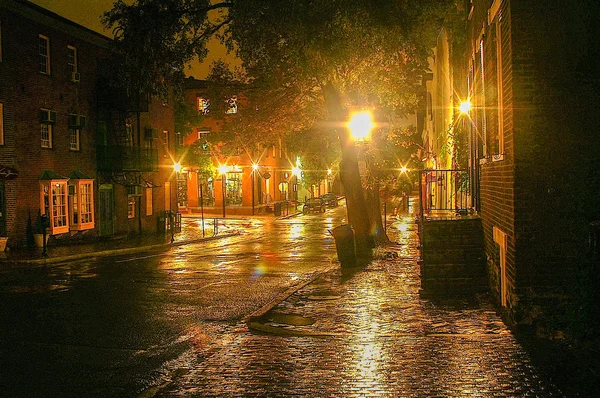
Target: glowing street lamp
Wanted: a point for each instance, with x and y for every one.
(465, 107)
(360, 125)
(177, 167)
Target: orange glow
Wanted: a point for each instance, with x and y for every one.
(360, 125)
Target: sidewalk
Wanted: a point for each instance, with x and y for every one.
(378, 311)
(191, 232)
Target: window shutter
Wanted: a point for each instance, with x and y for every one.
(72, 120)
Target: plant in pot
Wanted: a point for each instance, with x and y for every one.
(40, 230)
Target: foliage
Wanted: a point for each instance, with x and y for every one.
(318, 150)
(156, 38)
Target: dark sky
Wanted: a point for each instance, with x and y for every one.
(87, 13)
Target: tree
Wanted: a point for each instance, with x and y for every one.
(309, 62)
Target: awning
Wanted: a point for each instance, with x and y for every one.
(8, 173)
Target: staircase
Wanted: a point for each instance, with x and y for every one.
(452, 257)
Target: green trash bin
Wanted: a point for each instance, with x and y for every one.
(277, 208)
(345, 245)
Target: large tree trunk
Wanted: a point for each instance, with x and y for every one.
(376, 225)
(358, 215)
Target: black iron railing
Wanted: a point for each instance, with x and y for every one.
(126, 158)
(445, 190)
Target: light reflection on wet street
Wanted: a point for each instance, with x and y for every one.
(169, 323)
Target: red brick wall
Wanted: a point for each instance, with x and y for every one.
(24, 91)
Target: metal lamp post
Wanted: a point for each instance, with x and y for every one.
(223, 170)
(252, 176)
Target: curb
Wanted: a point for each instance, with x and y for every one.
(126, 250)
(253, 320)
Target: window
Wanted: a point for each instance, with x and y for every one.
(46, 130)
(81, 204)
(44, 51)
(72, 63)
(130, 206)
(166, 142)
(203, 105)
(179, 139)
(1, 123)
(203, 135)
(232, 106)
(54, 204)
(128, 134)
(148, 201)
(167, 195)
(76, 123)
(47, 120)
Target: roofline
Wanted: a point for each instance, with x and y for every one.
(33, 11)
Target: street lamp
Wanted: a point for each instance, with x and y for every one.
(360, 125)
(223, 170)
(177, 167)
(465, 107)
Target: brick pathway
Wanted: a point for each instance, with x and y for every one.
(372, 336)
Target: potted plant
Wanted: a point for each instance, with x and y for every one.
(3, 240)
(40, 230)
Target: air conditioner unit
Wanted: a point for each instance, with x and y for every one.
(135, 190)
(81, 120)
(75, 77)
(47, 116)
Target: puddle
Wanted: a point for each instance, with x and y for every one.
(290, 319)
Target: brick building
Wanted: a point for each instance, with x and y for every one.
(50, 126)
(530, 70)
(255, 178)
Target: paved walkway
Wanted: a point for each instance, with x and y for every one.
(367, 332)
(191, 231)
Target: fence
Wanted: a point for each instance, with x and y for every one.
(445, 190)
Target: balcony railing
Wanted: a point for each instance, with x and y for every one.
(126, 158)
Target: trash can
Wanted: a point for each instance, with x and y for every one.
(277, 207)
(345, 246)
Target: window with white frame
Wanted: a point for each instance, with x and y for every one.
(47, 120)
(203, 105)
(128, 134)
(166, 142)
(46, 131)
(203, 134)
(130, 206)
(179, 139)
(1, 123)
(72, 59)
(232, 105)
(44, 54)
(55, 205)
(76, 124)
(81, 204)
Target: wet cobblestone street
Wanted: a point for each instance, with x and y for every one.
(367, 333)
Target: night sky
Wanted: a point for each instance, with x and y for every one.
(87, 13)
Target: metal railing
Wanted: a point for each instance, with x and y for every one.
(445, 190)
(124, 158)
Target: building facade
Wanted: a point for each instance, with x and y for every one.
(254, 178)
(52, 129)
(530, 71)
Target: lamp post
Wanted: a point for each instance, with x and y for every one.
(223, 170)
(254, 168)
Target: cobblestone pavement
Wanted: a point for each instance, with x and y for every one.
(366, 333)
